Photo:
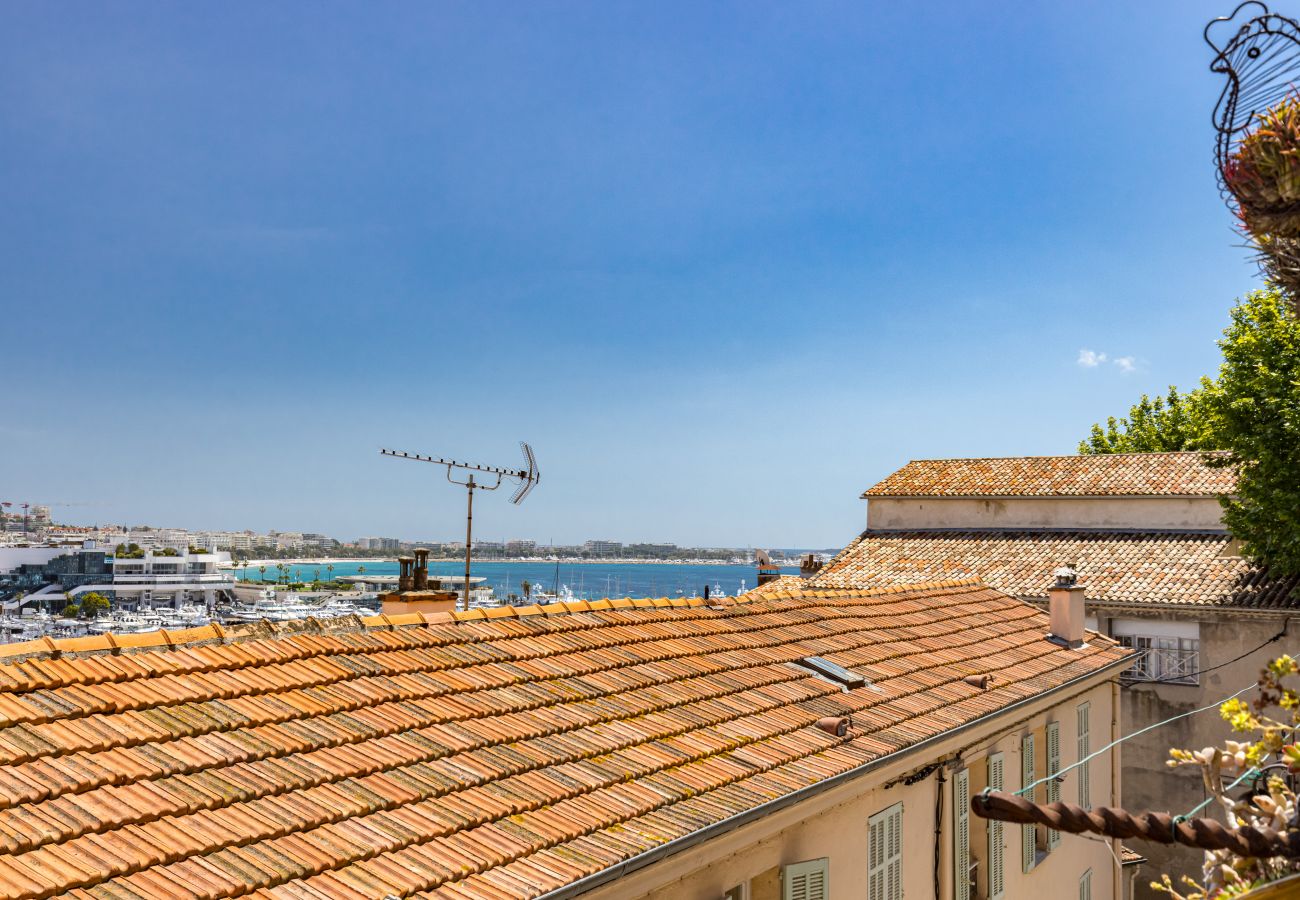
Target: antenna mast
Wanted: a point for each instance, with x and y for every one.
(527, 477)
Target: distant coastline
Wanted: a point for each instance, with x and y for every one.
(565, 560)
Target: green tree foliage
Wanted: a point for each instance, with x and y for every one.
(1254, 410)
(71, 611)
(1251, 411)
(1173, 422)
(94, 603)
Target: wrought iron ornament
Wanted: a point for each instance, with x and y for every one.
(1259, 52)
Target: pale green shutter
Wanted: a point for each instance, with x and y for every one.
(809, 880)
(1028, 841)
(1085, 885)
(1053, 769)
(996, 873)
(961, 835)
(885, 854)
(895, 881)
(1085, 780)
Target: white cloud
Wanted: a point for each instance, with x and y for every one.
(1091, 359)
(1127, 364)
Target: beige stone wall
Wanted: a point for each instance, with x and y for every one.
(833, 824)
(1202, 513)
(1148, 782)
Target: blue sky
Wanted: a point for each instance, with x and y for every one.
(723, 265)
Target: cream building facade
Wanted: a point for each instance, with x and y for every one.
(880, 837)
(1161, 574)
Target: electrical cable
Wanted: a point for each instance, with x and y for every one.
(1134, 734)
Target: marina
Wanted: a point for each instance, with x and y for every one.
(547, 579)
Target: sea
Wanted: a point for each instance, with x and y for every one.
(586, 580)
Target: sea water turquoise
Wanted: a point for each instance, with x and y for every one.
(586, 580)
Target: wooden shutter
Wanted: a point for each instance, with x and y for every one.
(1085, 885)
(808, 880)
(961, 835)
(1028, 833)
(885, 854)
(1085, 769)
(1053, 768)
(996, 873)
(895, 882)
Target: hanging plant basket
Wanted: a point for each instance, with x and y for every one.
(1263, 173)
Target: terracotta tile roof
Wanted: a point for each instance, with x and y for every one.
(1105, 475)
(486, 755)
(1177, 568)
(783, 584)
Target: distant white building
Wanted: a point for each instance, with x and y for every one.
(160, 580)
(155, 579)
(603, 547)
(287, 540)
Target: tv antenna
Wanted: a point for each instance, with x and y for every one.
(527, 477)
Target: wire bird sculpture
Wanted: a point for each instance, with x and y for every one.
(1259, 52)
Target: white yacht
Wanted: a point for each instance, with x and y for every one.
(123, 622)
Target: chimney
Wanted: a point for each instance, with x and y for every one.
(1065, 608)
(421, 570)
(404, 578)
(809, 565)
(767, 570)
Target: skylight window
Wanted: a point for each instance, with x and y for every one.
(833, 672)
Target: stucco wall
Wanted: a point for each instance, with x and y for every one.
(833, 824)
(1148, 782)
(1200, 514)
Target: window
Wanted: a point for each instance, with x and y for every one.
(1173, 660)
(1085, 769)
(1053, 768)
(1085, 885)
(739, 892)
(961, 867)
(885, 854)
(996, 874)
(1028, 833)
(809, 880)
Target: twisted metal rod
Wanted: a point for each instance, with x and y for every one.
(1163, 828)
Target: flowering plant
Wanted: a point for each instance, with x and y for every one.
(1224, 873)
(1264, 172)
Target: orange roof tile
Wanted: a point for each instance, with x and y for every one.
(1121, 567)
(1087, 475)
(778, 585)
(472, 757)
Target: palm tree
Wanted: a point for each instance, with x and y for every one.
(262, 569)
(329, 567)
(361, 570)
(527, 588)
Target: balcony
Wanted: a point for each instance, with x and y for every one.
(1166, 665)
(215, 578)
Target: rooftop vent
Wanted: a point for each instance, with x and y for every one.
(1066, 576)
(835, 725)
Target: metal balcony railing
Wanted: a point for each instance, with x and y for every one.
(1169, 666)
